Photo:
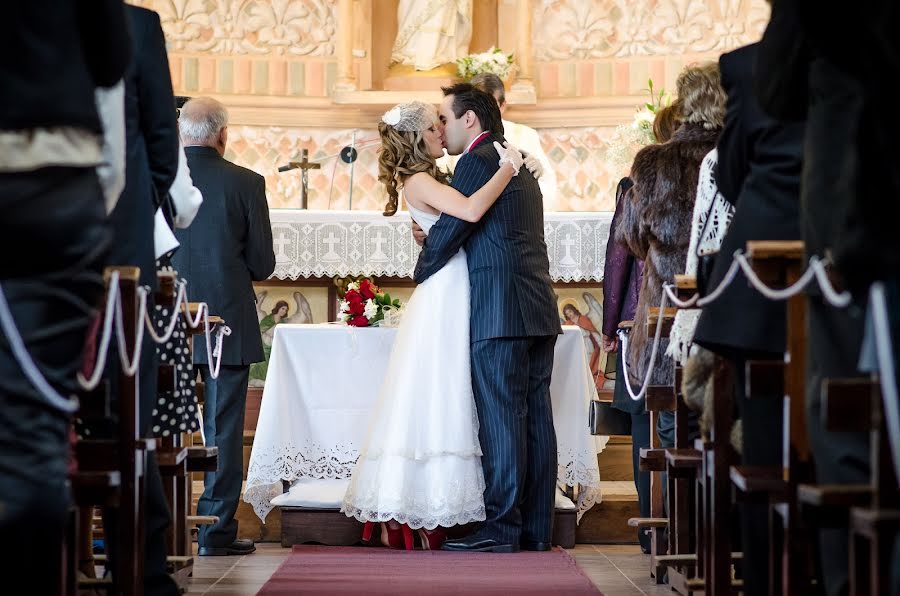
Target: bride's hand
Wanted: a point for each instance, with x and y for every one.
(418, 233)
(534, 165)
(510, 155)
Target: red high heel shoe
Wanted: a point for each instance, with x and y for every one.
(432, 539)
(399, 536)
(368, 528)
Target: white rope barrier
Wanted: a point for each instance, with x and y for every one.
(20, 352)
(216, 353)
(100, 361)
(170, 329)
(840, 300)
(815, 271)
(130, 368)
(651, 365)
(888, 376)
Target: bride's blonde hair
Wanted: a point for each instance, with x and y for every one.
(403, 153)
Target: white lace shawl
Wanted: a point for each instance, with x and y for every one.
(712, 216)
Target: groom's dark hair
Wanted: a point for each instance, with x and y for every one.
(466, 97)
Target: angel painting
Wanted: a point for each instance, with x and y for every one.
(278, 314)
(588, 323)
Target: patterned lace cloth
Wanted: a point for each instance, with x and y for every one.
(712, 216)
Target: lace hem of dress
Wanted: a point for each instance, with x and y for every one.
(419, 519)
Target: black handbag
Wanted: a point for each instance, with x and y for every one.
(603, 419)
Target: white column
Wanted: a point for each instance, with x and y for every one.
(524, 52)
(523, 89)
(346, 81)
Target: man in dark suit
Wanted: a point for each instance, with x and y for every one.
(151, 161)
(511, 342)
(759, 165)
(226, 249)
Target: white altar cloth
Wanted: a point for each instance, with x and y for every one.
(342, 243)
(321, 386)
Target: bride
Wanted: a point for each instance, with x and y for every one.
(420, 468)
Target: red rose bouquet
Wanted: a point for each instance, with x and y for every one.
(365, 304)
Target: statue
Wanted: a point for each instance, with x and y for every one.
(432, 33)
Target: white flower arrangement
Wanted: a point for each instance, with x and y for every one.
(630, 138)
(495, 61)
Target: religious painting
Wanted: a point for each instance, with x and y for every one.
(277, 305)
(583, 308)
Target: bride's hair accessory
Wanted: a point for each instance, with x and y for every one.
(410, 117)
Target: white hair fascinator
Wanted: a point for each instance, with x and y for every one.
(410, 117)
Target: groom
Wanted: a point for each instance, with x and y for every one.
(513, 329)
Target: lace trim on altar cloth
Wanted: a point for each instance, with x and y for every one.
(311, 245)
(585, 475)
(288, 463)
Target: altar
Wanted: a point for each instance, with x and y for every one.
(318, 252)
(317, 404)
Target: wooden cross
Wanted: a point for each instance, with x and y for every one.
(305, 165)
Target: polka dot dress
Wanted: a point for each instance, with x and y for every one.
(175, 411)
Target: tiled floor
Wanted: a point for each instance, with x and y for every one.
(615, 570)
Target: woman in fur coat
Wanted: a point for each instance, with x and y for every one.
(656, 223)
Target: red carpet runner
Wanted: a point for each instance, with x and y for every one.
(362, 570)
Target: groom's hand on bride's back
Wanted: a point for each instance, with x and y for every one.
(418, 234)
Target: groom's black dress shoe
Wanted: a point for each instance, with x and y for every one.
(241, 546)
(541, 546)
(479, 544)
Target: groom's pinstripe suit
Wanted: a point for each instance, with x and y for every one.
(513, 329)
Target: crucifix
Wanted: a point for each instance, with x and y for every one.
(305, 165)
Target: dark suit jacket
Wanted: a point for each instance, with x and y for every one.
(226, 248)
(759, 168)
(509, 270)
(52, 55)
(839, 83)
(151, 137)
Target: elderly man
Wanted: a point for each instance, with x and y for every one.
(228, 246)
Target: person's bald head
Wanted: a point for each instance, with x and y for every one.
(204, 121)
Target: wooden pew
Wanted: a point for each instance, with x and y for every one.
(200, 457)
(683, 464)
(780, 264)
(111, 471)
(658, 398)
(714, 517)
(651, 460)
(872, 511)
(172, 458)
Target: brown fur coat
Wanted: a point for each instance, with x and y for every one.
(656, 227)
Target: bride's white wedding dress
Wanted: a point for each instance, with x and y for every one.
(421, 463)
